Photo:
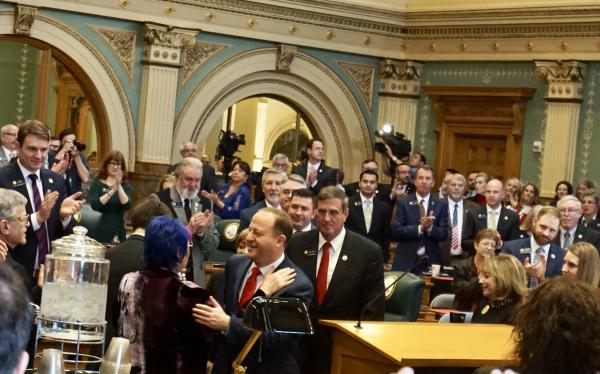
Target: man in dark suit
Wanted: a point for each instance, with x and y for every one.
(209, 181)
(349, 276)
(8, 137)
(420, 224)
(264, 271)
(458, 208)
(492, 215)
(128, 256)
(272, 180)
(317, 174)
(383, 190)
(368, 216)
(541, 258)
(590, 201)
(50, 210)
(571, 230)
(481, 180)
(195, 211)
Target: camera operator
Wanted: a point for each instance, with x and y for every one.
(70, 162)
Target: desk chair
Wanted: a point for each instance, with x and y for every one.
(403, 300)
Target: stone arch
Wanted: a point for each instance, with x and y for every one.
(119, 132)
(311, 86)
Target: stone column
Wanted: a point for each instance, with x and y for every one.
(163, 56)
(399, 92)
(563, 97)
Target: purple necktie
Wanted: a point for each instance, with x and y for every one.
(41, 232)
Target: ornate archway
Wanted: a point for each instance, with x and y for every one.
(114, 114)
(309, 85)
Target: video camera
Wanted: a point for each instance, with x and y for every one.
(228, 145)
(398, 143)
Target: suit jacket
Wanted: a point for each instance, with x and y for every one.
(204, 243)
(4, 160)
(382, 193)
(405, 231)
(379, 231)
(325, 175)
(12, 178)
(247, 214)
(445, 245)
(278, 352)
(127, 257)
(356, 282)
(593, 224)
(582, 234)
(508, 226)
(521, 249)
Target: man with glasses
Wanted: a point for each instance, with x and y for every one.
(571, 230)
(271, 187)
(48, 205)
(8, 136)
(194, 210)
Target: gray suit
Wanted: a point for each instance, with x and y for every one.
(4, 159)
(204, 243)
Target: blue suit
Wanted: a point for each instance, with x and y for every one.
(278, 353)
(521, 249)
(405, 231)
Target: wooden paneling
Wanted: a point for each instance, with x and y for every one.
(479, 128)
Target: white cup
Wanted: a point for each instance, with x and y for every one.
(435, 270)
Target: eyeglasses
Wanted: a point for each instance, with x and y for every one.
(115, 164)
(24, 218)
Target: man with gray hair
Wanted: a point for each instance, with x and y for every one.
(190, 149)
(8, 136)
(14, 222)
(280, 162)
(195, 211)
(272, 180)
(571, 230)
(294, 182)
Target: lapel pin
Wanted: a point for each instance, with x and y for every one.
(357, 203)
(306, 252)
(552, 256)
(506, 218)
(580, 236)
(50, 180)
(344, 258)
(14, 183)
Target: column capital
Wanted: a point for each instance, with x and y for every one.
(400, 78)
(564, 78)
(166, 44)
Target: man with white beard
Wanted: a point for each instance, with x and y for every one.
(195, 211)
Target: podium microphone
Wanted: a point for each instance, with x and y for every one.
(420, 260)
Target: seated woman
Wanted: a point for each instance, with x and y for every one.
(558, 329)
(467, 291)
(562, 188)
(110, 194)
(233, 196)
(156, 306)
(582, 262)
(504, 286)
(512, 194)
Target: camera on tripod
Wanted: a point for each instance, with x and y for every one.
(229, 143)
(397, 142)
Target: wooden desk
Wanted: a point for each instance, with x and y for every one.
(384, 347)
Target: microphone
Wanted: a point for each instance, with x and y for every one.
(420, 260)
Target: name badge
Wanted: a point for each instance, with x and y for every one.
(524, 251)
(18, 183)
(177, 204)
(310, 252)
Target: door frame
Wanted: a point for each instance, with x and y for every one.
(494, 111)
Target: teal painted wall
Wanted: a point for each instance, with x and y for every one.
(497, 74)
(588, 152)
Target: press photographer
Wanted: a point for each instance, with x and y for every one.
(394, 146)
(70, 162)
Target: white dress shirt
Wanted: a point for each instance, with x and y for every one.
(263, 271)
(334, 252)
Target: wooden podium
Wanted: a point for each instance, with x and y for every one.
(384, 347)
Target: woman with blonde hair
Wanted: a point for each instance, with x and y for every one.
(504, 286)
(582, 262)
(512, 193)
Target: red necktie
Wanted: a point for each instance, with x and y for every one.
(322, 274)
(249, 288)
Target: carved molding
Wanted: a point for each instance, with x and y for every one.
(165, 44)
(400, 78)
(564, 78)
(285, 56)
(122, 44)
(364, 78)
(24, 17)
(197, 55)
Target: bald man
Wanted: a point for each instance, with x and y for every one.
(492, 215)
(8, 136)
